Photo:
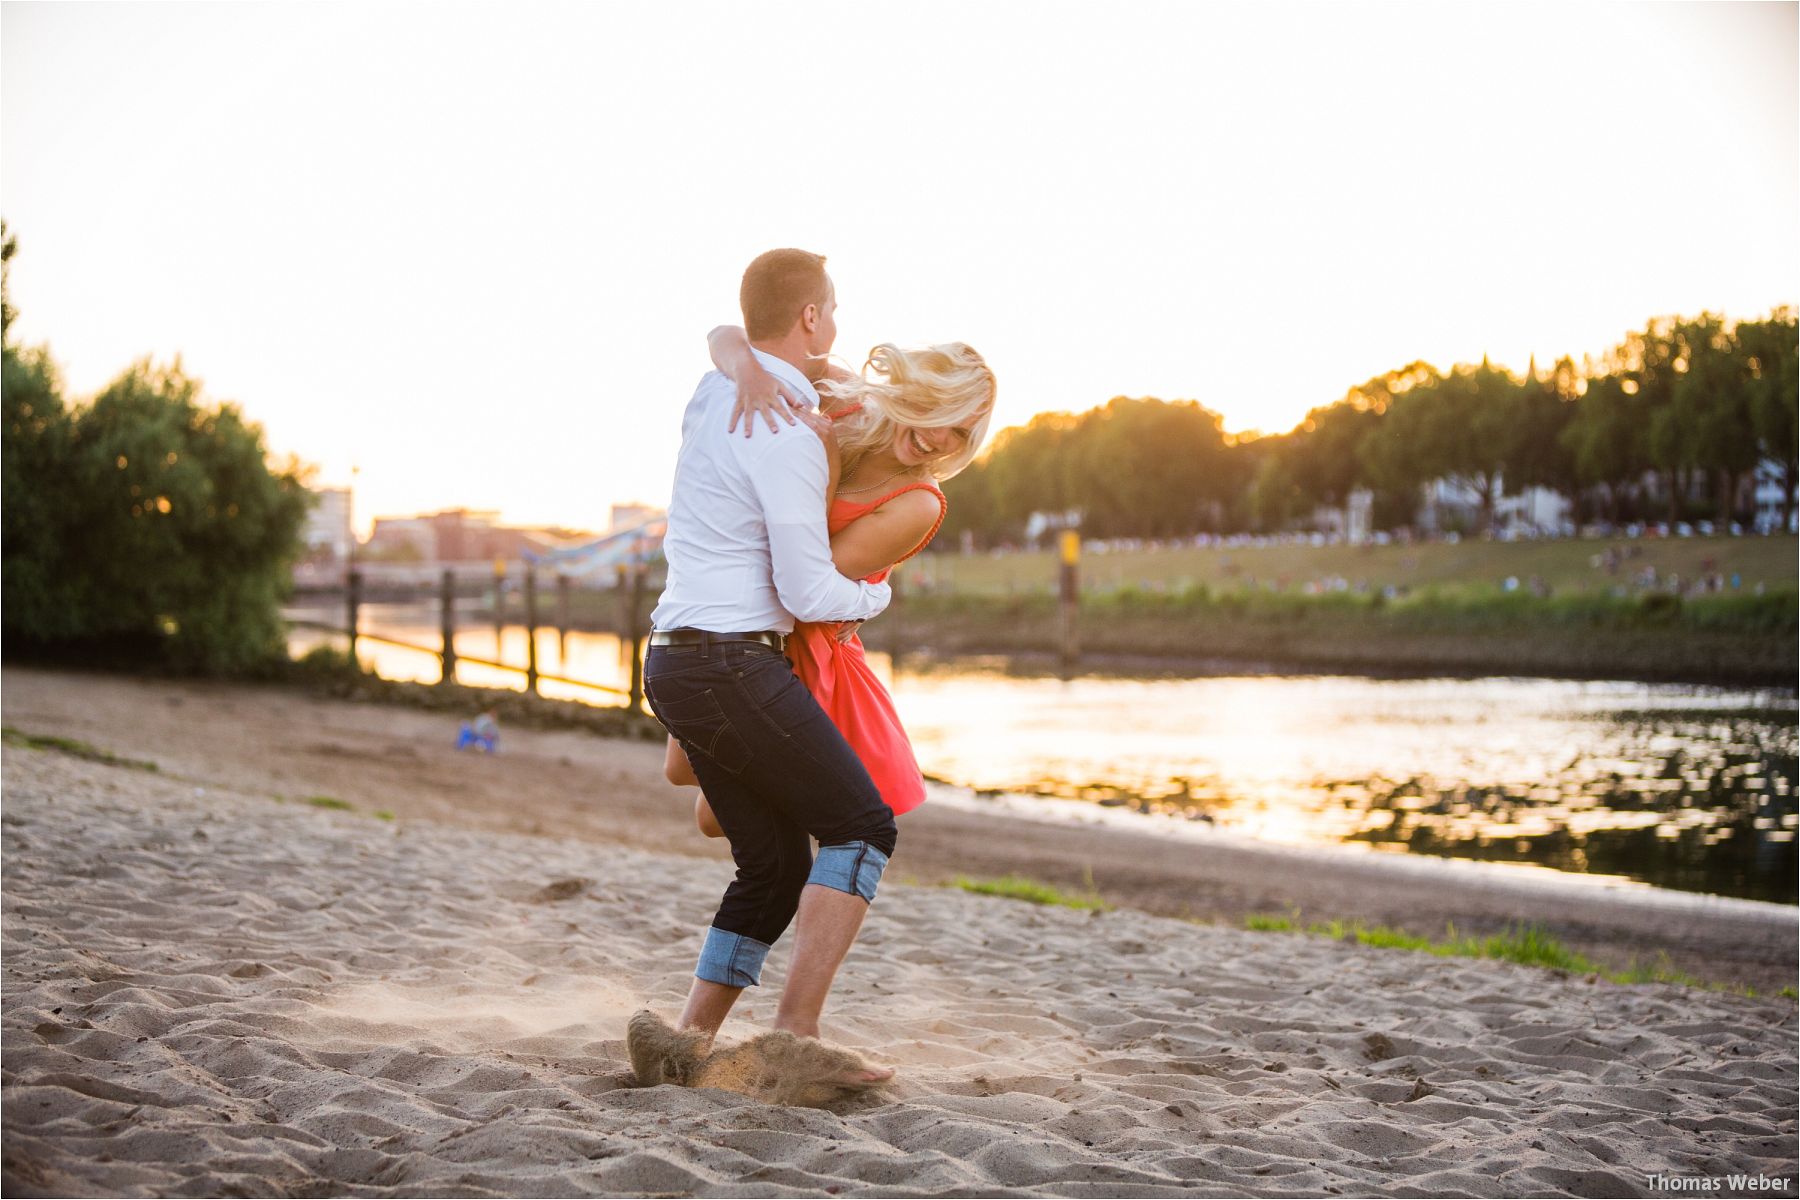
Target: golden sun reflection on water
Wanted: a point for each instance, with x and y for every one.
(1690, 787)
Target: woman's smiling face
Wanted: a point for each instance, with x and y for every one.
(915, 446)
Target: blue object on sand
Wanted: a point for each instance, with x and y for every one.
(482, 732)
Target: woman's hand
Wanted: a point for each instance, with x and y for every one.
(761, 394)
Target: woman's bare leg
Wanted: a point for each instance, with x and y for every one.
(678, 771)
(703, 817)
(676, 768)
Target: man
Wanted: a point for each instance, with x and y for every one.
(748, 555)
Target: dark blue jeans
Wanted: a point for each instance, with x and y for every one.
(778, 774)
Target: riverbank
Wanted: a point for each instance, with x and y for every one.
(1745, 641)
(214, 991)
(1721, 640)
(298, 744)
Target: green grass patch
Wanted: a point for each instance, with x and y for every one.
(330, 802)
(382, 814)
(1527, 945)
(71, 747)
(1269, 923)
(1017, 887)
(1565, 564)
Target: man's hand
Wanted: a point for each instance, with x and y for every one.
(846, 630)
(761, 394)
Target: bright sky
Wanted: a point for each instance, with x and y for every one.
(475, 250)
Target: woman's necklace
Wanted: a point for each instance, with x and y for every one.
(872, 486)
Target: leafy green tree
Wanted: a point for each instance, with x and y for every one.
(1323, 454)
(1149, 467)
(1389, 455)
(144, 518)
(1713, 392)
(1605, 438)
(186, 530)
(1275, 498)
(34, 441)
(35, 533)
(1650, 361)
(1543, 409)
(1028, 471)
(9, 245)
(1771, 350)
(1472, 432)
(971, 506)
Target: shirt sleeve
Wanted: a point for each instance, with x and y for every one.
(789, 476)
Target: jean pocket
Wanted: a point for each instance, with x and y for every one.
(701, 726)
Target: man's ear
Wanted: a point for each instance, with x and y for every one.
(809, 318)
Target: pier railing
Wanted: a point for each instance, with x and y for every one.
(632, 619)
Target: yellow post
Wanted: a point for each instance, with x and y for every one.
(1069, 640)
(499, 607)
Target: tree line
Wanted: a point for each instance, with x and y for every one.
(1669, 424)
(146, 525)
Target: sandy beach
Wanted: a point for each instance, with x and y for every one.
(214, 986)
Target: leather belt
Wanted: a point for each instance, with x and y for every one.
(700, 637)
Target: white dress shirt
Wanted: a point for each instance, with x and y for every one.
(746, 542)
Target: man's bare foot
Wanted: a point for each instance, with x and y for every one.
(660, 1053)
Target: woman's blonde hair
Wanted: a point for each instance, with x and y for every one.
(932, 387)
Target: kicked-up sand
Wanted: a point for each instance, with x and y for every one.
(209, 992)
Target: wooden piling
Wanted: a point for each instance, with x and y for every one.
(352, 606)
(634, 618)
(531, 627)
(562, 620)
(499, 608)
(447, 625)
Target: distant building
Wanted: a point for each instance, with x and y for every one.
(461, 535)
(401, 539)
(1451, 504)
(625, 516)
(1769, 494)
(327, 534)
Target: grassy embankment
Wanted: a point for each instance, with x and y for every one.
(1190, 608)
(1450, 610)
(1744, 640)
(1564, 565)
(1527, 945)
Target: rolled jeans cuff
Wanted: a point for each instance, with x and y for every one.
(731, 959)
(853, 867)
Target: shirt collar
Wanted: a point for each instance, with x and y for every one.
(787, 372)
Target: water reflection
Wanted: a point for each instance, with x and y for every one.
(1690, 788)
(1682, 787)
(1683, 799)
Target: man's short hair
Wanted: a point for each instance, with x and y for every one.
(776, 288)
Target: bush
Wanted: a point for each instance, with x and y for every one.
(144, 520)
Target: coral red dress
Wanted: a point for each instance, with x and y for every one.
(839, 678)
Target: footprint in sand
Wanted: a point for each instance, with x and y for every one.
(776, 1068)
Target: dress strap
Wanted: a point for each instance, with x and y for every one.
(943, 511)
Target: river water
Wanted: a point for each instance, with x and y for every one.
(1678, 786)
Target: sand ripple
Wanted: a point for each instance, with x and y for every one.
(220, 994)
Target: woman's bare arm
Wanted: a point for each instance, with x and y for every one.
(833, 374)
(759, 393)
(880, 539)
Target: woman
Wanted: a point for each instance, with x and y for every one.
(891, 440)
